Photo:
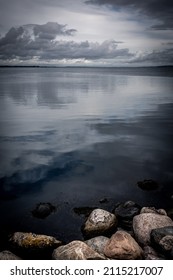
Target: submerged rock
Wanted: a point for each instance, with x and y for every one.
(76, 250)
(7, 255)
(99, 222)
(122, 246)
(43, 210)
(145, 222)
(148, 185)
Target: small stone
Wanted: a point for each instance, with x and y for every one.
(7, 255)
(145, 222)
(123, 246)
(76, 250)
(166, 243)
(99, 222)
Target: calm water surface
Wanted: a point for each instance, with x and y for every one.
(72, 136)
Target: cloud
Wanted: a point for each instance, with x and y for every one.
(52, 29)
(161, 57)
(161, 10)
(40, 41)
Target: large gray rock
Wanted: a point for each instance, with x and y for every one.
(99, 222)
(97, 243)
(145, 222)
(7, 255)
(123, 246)
(76, 250)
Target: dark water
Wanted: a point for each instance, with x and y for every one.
(72, 136)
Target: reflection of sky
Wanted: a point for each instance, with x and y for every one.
(56, 109)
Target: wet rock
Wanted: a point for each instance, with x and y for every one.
(7, 255)
(43, 210)
(125, 213)
(97, 243)
(123, 246)
(153, 210)
(162, 238)
(99, 222)
(148, 185)
(158, 233)
(151, 254)
(33, 244)
(76, 250)
(145, 222)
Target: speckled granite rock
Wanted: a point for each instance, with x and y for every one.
(99, 222)
(76, 250)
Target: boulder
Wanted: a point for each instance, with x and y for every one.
(7, 255)
(76, 250)
(97, 243)
(125, 213)
(99, 222)
(43, 210)
(123, 246)
(145, 222)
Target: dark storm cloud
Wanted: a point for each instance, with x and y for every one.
(29, 41)
(161, 10)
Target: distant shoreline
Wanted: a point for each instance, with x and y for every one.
(72, 66)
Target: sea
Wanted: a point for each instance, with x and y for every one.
(80, 137)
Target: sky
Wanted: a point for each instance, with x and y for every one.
(86, 32)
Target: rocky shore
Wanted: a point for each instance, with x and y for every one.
(129, 232)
